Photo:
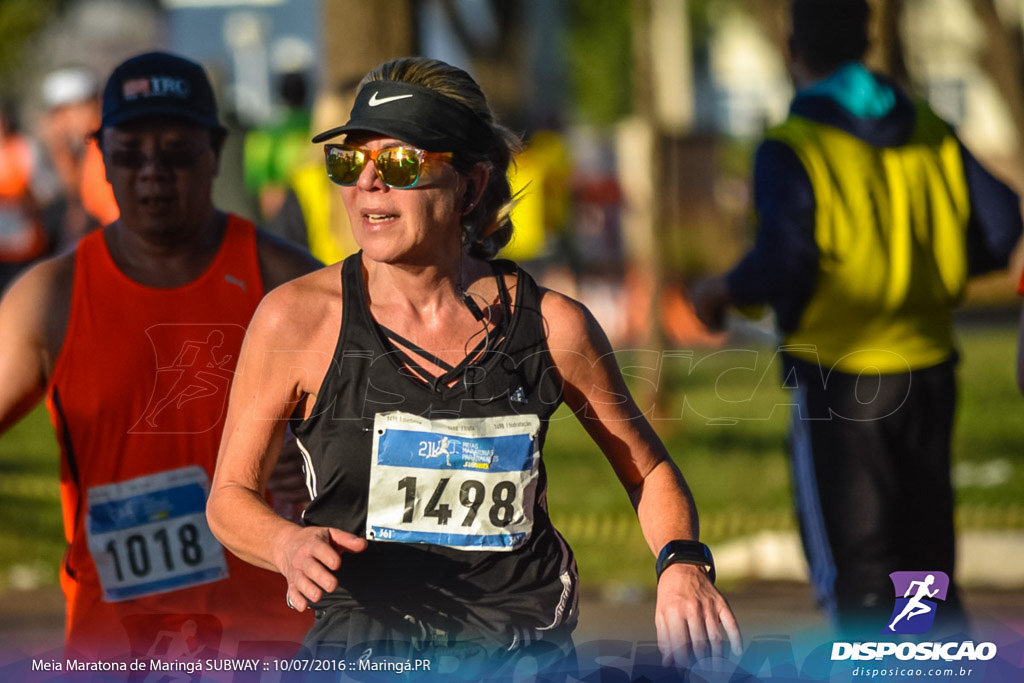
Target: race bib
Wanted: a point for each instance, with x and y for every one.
(149, 535)
(467, 483)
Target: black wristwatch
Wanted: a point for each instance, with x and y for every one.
(686, 552)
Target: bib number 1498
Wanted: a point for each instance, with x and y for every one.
(464, 483)
(472, 497)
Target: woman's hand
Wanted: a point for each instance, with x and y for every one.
(692, 617)
(308, 558)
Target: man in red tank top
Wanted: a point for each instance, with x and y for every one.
(133, 339)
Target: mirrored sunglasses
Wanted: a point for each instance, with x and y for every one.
(135, 159)
(397, 167)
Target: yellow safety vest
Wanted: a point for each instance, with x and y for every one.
(890, 226)
(327, 227)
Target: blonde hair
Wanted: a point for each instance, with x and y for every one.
(488, 227)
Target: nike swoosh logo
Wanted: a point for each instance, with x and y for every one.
(377, 101)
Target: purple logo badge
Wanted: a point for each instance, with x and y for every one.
(917, 596)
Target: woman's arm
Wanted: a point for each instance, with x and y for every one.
(691, 614)
(280, 369)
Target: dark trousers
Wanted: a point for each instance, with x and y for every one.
(871, 466)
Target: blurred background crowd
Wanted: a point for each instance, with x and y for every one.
(641, 118)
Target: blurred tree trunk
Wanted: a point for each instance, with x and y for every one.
(886, 52)
(498, 56)
(1001, 60)
(359, 35)
(773, 18)
(647, 211)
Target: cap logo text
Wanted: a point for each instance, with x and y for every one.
(155, 86)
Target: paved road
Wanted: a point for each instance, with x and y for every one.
(772, 614)
(775, 607)
(786, 639)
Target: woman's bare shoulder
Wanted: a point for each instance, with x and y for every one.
(301, 309)
(566, 318)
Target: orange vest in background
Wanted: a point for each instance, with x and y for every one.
(22, 237)
(97, 195)
(138, 398)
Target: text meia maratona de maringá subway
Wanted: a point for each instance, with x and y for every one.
(157, 665)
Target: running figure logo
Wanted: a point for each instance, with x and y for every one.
(914, 612)
(192, 364)
(435, 449)
(177, 640)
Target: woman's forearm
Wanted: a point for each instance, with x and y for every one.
(246, 525)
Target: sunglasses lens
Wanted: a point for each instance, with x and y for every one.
(344, 165)
(127, 159)
(134, 159)
(179, 158)
(399, 167)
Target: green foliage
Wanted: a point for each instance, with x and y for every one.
(600, 55)
(31, 536)
(20, 21)
(600, 58)
(989, 429)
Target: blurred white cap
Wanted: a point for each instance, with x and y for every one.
(291, 53)
(69, 85)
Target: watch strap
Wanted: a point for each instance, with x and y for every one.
(686, 552)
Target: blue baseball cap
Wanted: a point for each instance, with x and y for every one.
(159, 85)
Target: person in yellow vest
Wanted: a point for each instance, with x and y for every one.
(872, 215)
(312, 215)
(540, 184)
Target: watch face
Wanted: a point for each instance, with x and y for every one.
(686, 552)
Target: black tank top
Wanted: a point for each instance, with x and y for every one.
(470, 538)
